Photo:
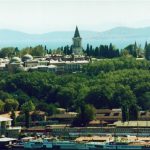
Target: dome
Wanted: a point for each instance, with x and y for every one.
(27, 57)
(15, 59)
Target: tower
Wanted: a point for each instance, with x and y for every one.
(77, 45)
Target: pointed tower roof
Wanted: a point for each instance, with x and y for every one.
(76, 34)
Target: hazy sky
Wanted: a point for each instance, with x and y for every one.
(39, 16)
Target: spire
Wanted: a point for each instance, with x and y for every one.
(76, 34)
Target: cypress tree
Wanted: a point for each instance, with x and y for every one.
(147, 52)
(27, 119)
(125, 113)
(13, 117)
(87, 50)
(91, 51)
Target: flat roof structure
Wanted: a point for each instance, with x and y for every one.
(5, 119)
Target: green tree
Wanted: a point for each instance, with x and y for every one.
(100, 96)
(123, 96)
(2, 105)
(144, 101)
(132, 49)
(87, 50)
(133, 112)
(11, 104)
(147, 52)
(7, 52)
(65, 96)
(27, 107)
(34, 51)
(125, 113)
(13, 117)
(27, 119)
(51, 109)
(86, 114)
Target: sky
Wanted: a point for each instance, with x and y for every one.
(41, 16)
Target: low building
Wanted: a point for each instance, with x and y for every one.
(63, 117)
(108, 115)
(132, 124)
(14, 65)
(144, 115)
(95, 138)
(6, 129)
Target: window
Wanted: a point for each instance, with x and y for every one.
(106, 114)
(116, 114)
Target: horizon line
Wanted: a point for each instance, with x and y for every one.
(81, 30)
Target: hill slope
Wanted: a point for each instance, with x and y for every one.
(119, 36)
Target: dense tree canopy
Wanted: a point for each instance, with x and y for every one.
(107, 83)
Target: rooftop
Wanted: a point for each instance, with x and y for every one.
(4, 119)
(76, 34)
(132, 124)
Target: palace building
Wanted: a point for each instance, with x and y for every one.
(52, 62)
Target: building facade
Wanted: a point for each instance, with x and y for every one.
(77, 43)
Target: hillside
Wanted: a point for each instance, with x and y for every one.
(119, 36)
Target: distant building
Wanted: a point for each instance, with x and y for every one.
(63, 116)
(51, 62)
(108, 115)
(77, 43)
(15, 64)
(144, 115)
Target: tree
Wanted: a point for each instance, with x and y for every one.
(11, 104)
(96, 52)
(133, 111)
(65, 96)
(21, 96)
(38, 51)
(16, 51)
(87, 50)
(27, 119)
(2, 105)
(13, 117)
(27, 107)
(144, 101)
(91, 51)
(7, 52)
(5, 95)
(51, 109)
(99, 96)
(123, 97)
(71, 49)
(125, 113)
(45, 48)
(85, 115)
(145, 45)
(147, 52)
(132, 49)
